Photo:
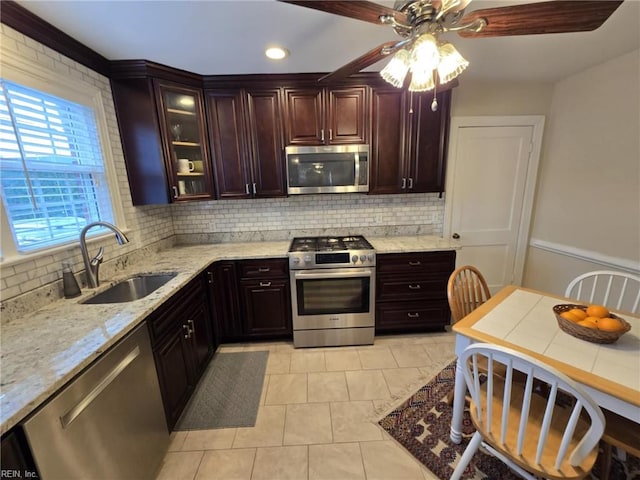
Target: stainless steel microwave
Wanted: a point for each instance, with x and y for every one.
(327, 169)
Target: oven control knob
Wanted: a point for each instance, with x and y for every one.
(295, 260)
(363, 258)
(370, 257)
(354, 259)
(307, 259)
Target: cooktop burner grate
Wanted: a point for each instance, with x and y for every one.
(329, 244)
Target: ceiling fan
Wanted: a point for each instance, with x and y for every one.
(435, 63)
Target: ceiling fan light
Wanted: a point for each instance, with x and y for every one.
(396, 70)
(421, 81)
(425, 55)
(451, 63)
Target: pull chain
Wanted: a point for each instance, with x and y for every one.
(434, 104)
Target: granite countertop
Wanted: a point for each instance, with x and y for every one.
(45, 349)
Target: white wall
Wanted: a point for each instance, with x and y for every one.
(588, 197)
(147, 225)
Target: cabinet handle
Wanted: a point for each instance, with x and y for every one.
(414, 287)
(246, 188)
(193, 326)
(413, 315)
(265, 284)
(404, 183)
(415, 264)
(322, 134)
(175, 191)
(330, 134)
(264, 269)
(210, 277)
(189, 331)
(410, 183)
(254, 188)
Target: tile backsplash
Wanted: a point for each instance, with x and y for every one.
(283, 218)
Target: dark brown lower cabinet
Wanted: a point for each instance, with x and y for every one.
(265, 306)
(411, 291)
(251, 299)
(16, 460)
(182, 345)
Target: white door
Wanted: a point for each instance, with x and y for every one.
(491, 178)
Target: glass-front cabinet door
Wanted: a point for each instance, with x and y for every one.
(188, 166)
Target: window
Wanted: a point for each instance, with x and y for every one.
(51, 168)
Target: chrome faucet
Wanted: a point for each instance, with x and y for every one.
(92, 266)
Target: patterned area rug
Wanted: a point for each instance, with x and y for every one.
(422, 424)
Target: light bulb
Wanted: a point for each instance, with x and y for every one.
(396, 70)
(425, 55)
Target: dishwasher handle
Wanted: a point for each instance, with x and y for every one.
(79, 407)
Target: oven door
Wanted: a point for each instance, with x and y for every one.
(333, 298)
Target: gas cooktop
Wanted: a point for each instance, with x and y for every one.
(329, 244)
(331, 252)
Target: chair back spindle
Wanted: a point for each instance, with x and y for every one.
(616, 290)
(557, 434)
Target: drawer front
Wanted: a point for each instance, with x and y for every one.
(416, 263)
(392, 288)
(267, 268)
(171, 312)
(402, 315)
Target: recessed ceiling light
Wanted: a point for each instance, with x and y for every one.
(276, 53)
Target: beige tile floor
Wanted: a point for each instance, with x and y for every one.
(317, 415)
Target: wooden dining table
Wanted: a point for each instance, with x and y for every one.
(523, 319)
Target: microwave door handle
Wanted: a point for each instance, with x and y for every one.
(351, 273)
(357, 170)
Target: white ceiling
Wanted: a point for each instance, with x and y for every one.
(229, 37)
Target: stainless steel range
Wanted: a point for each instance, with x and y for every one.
(332, 290)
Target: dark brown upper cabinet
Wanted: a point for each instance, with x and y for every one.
(162, 127)
(245, 134)
(327, 116)
(409, 141)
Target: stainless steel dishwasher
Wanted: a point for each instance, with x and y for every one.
(108, 423)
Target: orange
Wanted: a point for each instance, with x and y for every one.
(588, 323)
(571, 317)
(592, 319)
(597, 311)
(578, 312)
(609, 324)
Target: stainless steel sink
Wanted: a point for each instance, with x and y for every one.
(132, 289)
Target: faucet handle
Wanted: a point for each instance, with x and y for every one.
(98, 258)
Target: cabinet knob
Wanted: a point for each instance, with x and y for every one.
(455, 236)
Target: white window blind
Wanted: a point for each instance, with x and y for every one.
(52, 170)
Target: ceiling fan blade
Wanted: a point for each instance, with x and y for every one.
(538, 18)
(360, 10)
(363, 61)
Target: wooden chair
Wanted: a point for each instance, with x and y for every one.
(532, 434)
(616, 290)
(619, 291)
(466, 290)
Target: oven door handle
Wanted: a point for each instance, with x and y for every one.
(353, 272)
